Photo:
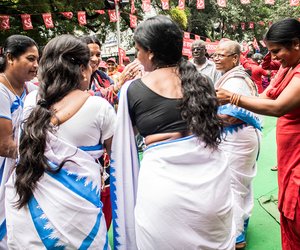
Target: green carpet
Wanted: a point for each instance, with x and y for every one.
(263, 231)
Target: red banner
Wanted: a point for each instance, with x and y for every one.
(165, 4)
(133, 21)
(68, 15)
(200, 4)
(294, 2)
(132, 9)
(222, 3)
(146, 5)
(211, 47)
(4, 23)
(48, 20)
(181, 4)
(26, 21)
(81, 18)
(112, 16)
(251, 25)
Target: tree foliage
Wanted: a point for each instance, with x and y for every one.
(212, 22)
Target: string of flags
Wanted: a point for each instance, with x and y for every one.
(146, 6)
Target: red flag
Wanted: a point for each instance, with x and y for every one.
(181, 4)
(132, 9)
(112, 16)
(67, 15)
(26, 21)
(101, 12)
(4, 23)
(165, 4)
(200, 4)
(81, 18)
(251, 25)
(122, 54)
(146, 5)
(245, 1)
(187, 46)
(211, 47)
(133, 21)
(255, 44)
(243, 26)
(197, 37)
(294, 2)
(270, 2)
(222, 3)
(186, 35)
(48, 20)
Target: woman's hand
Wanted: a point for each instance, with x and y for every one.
(223, 96)
(131, 71)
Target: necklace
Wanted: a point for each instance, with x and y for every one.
(166, 66)
(12, 88)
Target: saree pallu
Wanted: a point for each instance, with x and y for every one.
(184, 199)
(65, 211)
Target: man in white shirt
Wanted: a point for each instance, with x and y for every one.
(202, 64)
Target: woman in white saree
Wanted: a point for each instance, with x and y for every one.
(53, 196)
(180, 197)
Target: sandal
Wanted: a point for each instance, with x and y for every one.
(275, 168)
(240, 245)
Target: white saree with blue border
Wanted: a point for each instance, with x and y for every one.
(241, 143)
(180, 198)
(65, 211)
(11, 109)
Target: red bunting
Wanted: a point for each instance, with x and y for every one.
(133, 9)
(146, 5)
(101, 12)
(197, 37)
(26, 22)
(68, 15)
(251, 25)
(48, 20)
(200, 4)
(245, 1)
(181, 4)
(187, 46)
(186, 35)
(112, 16)
(81, 18)
(165, 4)
(133, 21)
(270, 2)
(243, 25)
(294, 2)
(4, 23)
(222, 3)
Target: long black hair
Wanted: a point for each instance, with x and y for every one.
(284, 32)
(199, 106)
(59, 73)
(15, 45)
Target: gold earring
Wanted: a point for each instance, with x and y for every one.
(84, 78)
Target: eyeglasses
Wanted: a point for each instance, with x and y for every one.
(198, 48)
(221, 56)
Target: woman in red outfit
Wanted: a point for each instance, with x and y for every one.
(282, 99)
